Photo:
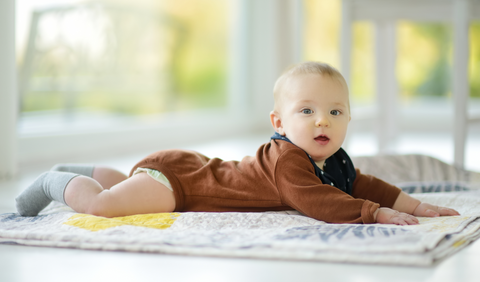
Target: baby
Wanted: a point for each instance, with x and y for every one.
(303, 167)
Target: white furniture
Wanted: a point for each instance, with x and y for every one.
(8, 86)
(384, 14)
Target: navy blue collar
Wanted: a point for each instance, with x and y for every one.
(338, 170)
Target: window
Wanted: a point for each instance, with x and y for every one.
(197, 70)
(423, 67)
(414, 98)
(95, 63)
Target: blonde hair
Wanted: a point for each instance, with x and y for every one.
(306, 68)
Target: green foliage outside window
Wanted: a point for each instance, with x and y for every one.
(128, 57)
(424, 53)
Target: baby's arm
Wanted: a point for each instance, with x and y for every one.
(406, 206)
(390, 216)
(427, 210)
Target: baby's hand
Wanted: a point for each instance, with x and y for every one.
(428, 210)
(389, 216)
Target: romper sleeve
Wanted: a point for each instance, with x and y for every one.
(302, 190)
(376, 190)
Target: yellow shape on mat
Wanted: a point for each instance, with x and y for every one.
(95, 223)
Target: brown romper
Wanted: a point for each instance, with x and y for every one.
(279, 177)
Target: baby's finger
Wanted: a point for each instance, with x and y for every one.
(447, 211)
(399, 221)
(411, 220)
(431, 213)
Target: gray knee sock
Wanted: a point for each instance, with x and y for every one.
(47, 187)
(82, 169)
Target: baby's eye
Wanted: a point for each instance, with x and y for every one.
(335, 112)
(307, 111)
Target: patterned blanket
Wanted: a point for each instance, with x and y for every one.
(270, 235)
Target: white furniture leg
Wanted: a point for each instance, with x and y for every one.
(386, 85)
(346, 42)
(460, 86)
(8, 94)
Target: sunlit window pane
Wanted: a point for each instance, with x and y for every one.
(121, 58)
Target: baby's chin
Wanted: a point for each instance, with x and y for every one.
(320, 159)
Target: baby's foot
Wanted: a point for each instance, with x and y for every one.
(82, 169)
(47, 187)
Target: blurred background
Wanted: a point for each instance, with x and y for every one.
(112, 76)
(122, 58)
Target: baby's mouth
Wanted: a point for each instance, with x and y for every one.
(322, 139)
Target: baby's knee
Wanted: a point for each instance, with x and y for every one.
(100, 206)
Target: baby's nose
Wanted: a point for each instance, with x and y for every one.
(322, 121)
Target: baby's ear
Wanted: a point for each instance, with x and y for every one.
(276, 121)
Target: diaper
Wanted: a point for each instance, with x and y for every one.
(155, 174)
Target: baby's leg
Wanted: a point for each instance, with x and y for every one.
(48, 186)
(106, 176)
(139, 194)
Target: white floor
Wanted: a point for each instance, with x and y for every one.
(20, 263)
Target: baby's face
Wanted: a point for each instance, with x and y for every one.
(314, 114)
